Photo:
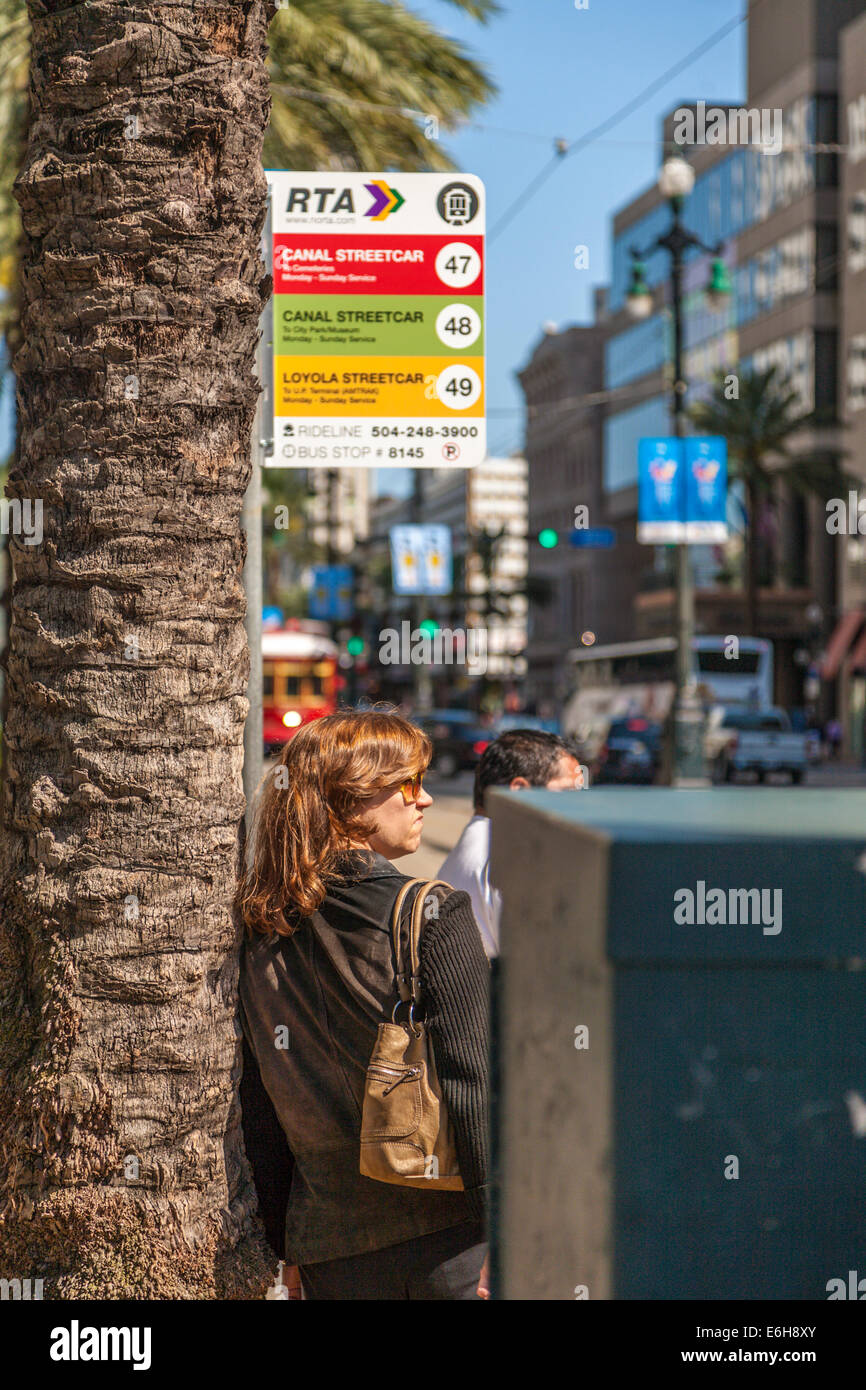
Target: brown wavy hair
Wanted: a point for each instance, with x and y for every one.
(303, 832)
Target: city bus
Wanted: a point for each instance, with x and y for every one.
(637, 679)
(742, 679)
(300, 678)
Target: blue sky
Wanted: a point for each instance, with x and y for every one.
(560, 72)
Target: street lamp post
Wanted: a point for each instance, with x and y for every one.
(675, 183)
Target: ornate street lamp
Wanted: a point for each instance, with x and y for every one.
(676, 181)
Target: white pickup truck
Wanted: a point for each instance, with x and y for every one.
(758, 741)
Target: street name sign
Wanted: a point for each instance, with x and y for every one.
(331, 593)
(421, 561)
(593, 537)
(378, 320)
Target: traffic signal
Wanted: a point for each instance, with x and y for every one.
(429, 626)
(548, 538)
(355, 646)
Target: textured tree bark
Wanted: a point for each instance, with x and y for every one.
(122, 1171)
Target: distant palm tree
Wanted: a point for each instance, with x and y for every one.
(760, 424)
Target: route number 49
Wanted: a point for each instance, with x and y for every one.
(458, 386)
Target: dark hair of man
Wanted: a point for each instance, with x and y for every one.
(530, 753)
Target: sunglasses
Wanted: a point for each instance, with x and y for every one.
(411, 789)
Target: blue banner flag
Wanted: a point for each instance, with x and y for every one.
(661, 500)
(706, 468)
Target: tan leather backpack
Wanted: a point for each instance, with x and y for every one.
(406, 1135)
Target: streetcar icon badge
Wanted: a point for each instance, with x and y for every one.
(457, 204)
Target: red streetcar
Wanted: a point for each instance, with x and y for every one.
(300, 681)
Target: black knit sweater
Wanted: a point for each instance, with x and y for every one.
(455, 979)
(331, 984)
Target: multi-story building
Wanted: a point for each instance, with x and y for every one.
(779, 210)
(848, 654)
(573, 590)
(485, 510)
(339, 509)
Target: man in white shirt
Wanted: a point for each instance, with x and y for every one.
(517, 759)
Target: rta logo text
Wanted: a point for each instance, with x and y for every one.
(457, 204)
(331, 201)
(855, 1288)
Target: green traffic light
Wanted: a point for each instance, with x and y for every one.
(548, 538)
(429, 626)
(355, 646)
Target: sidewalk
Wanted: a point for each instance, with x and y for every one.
(836, 774)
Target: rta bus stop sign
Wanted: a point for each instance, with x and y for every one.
(378, 320)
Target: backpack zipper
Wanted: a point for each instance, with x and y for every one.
(401, 1073)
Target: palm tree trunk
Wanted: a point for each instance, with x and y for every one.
(752, 539)
(143, 199)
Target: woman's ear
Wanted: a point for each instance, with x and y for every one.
(517, 784)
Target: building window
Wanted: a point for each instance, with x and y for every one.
(622, 433)
(855, 374)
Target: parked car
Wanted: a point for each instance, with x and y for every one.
(459, 738)
(506, 722)
(755, 741)
(630, 752)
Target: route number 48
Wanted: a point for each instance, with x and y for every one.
(458, 325)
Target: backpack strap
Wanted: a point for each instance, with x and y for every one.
(408, 983)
